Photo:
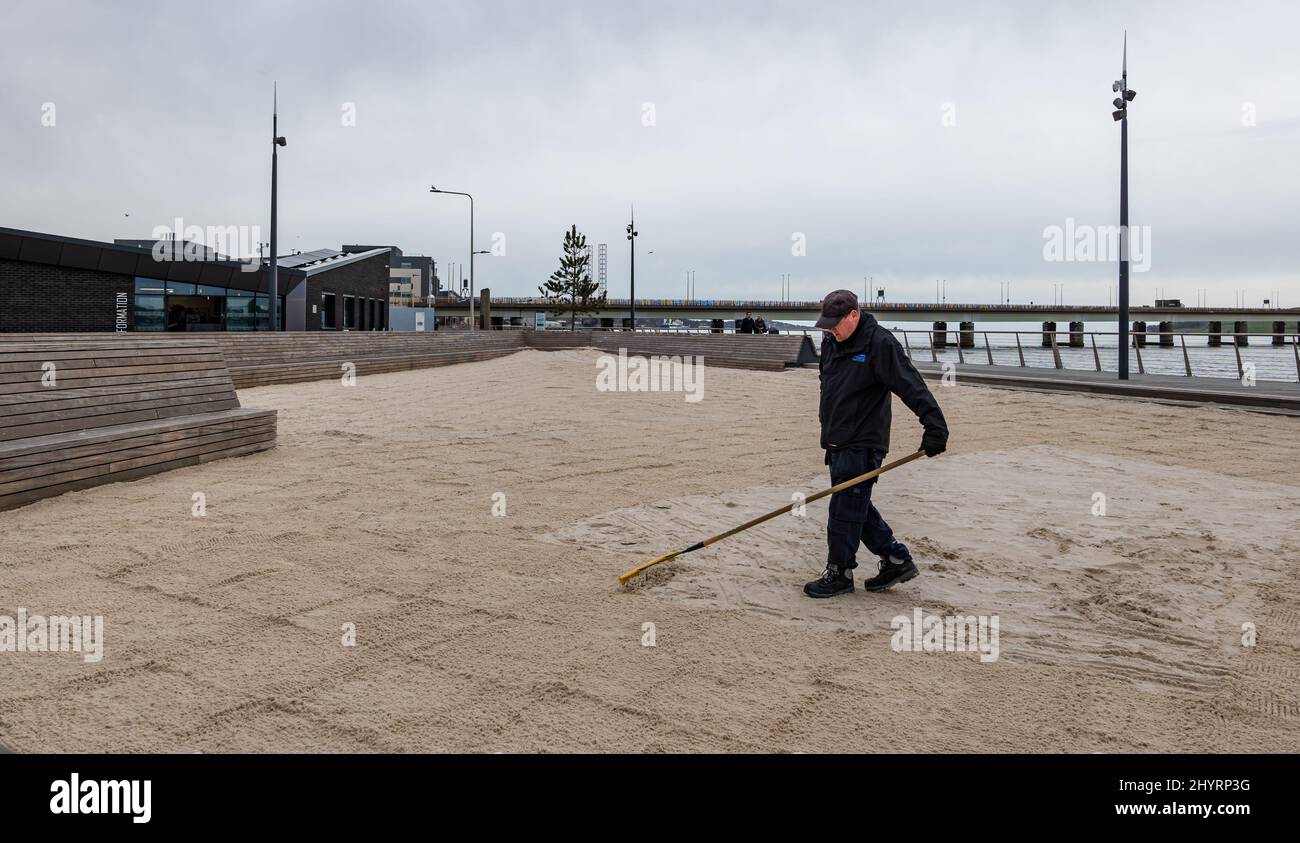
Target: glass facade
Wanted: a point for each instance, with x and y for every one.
(175, 306)
(327, 311)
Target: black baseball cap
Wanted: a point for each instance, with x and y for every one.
(835, 307)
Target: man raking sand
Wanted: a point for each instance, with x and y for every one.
(861, 366)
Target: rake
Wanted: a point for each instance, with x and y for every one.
(839, 487)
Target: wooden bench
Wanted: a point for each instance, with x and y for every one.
(79, 411)
(261, 359)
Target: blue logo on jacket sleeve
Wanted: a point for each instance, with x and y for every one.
(859, 358)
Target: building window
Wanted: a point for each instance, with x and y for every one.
(241, 313)
(150, 286)
(349, 312)
(174, 306)
(171, 306)
(150, 313)
(327, 312)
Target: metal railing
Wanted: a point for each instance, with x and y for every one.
(1085, 342)
(1046, 350)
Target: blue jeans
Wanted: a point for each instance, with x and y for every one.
(853, 518)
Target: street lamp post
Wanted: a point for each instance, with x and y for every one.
(1120, 114)
(276, 143)
(631, 238)
(471, 247)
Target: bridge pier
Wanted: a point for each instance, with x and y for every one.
(1239, 329)
(627, 323)
(966, 335)
(717, 326)
(1076, 335)
(940, 334)
(607, 322)
(1166, 334)
(1140, 334)
(1279, 333)
(1049, 333)
(1216, 334)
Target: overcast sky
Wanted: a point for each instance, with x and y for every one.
(767, 121)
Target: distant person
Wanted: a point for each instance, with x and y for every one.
(861, 365)
(746, 325)
(760, 327)
(176, 318)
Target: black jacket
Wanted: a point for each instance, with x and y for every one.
(857, 378)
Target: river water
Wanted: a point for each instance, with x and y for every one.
(1271, 363)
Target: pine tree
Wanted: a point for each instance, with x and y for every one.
(570, 287)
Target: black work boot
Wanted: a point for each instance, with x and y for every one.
(893, 571)
(834, 580)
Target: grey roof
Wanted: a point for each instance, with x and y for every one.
(36, 247)
(323, 260)
(204, 251)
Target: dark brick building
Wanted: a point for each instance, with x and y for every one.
(429, 283)
(52, 284)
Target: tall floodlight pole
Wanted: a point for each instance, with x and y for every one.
(631, 239)
(432, 189)
(1120, 114)
(276, 143)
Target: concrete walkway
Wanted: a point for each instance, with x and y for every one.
(1264, 396)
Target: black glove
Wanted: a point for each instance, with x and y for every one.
(934, 442)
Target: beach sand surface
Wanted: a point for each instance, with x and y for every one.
(483, 632)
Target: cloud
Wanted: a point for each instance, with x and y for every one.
(909, 143)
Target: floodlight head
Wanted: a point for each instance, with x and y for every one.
(1118, 102)
(281, 142)
(433, 189)
(1115, 87)
(1129, 95)
(1118, 115)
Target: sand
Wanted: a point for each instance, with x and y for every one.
(485, 633)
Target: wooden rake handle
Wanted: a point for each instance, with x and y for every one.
(839, 487)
